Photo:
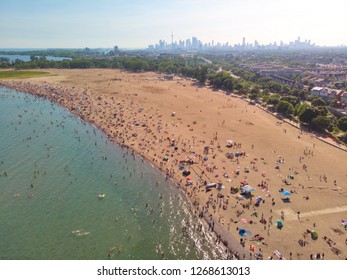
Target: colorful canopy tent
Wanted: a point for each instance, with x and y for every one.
(211, 185)
(229, 143)
(247, 189)
(285, 193)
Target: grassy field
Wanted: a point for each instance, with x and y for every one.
(21, 74)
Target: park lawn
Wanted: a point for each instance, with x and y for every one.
(21, 74)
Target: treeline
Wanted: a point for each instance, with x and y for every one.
(188, 67)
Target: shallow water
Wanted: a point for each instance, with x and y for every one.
(52, 168)
(26, 58)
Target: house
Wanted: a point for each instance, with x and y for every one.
(328, 93)
(319, 92)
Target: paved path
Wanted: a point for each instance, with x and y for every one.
(290, 215)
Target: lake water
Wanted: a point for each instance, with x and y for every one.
(25, 58)
(53, 166)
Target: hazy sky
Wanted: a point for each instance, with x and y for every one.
(138, 23)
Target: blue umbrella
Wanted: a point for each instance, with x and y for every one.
(286, 193)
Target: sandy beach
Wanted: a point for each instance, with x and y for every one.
(183, 130)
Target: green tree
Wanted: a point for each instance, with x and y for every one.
(4, 62)
(188, 71)
(291, 99)
(33, 58)
(274, 99)
(222, 80)
(344, 139)
(285, 89)
(317, 102)
(229, 84)
(308, 114)
(80, 63)
(285, 108)
(255, 89)
(321, 122)
(65, 64)
(238, 86)
(201, 74)
(299, 108)
(253, 96)
(275, 87)
(342, 123)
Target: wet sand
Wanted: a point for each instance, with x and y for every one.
(136, 111)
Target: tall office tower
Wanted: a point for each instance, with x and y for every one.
(195, 43)
(161, 44)
(243, 42)
(188, 44)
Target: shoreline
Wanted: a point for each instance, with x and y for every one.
(121, 120)
(231, 248)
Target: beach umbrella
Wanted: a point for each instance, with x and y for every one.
(314, 234)
(247, 189)
(242, 231)
(186, 172)
(286, 193)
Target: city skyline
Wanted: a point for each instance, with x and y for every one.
(137, 24)
(195, 44)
